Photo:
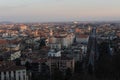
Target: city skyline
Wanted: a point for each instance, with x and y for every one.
(59, 10)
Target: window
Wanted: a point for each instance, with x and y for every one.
(19, 75)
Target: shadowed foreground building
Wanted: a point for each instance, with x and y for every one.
(9, 71)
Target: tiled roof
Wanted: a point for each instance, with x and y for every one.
(82, 36)
(39, 60)
(2, 41)
(10, 66)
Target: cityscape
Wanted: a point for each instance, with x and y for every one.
(53, 43)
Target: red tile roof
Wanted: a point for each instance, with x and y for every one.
(2, 41)
(82, 36)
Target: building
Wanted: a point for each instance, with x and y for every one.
(39, 66)
(55, 46)
(62, 40)
(54, 53)
(15, 55)
(82, 38)
(23, 27)
(62, 63)
(11, 55)
(3, 44)
(9, 71)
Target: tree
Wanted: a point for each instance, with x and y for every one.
(78, 67)
(104, 66)
(57, 75)
(68, 74)
(42, 43)
(18, 62)
(28, 65)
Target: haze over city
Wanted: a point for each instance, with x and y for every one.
(59, 39)
(59, 10)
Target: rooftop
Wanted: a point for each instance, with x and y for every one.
(10, 66)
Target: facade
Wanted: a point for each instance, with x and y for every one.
(11, 55)
(3, 44)
(62, 63)
(13, 47)
(82, 38)
(23, 27)
(78, 55)
(9, 71)
(55, 46)
(8, 45)
(65, 40)
(15, 55)
(53, 53)
(39, 66)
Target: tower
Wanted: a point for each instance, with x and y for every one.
(51, 32)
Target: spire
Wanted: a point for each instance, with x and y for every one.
(51, 32)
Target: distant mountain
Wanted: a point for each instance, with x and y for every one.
(6, 22)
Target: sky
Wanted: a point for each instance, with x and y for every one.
(59, 10)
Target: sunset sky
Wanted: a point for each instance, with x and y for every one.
(59, 10)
